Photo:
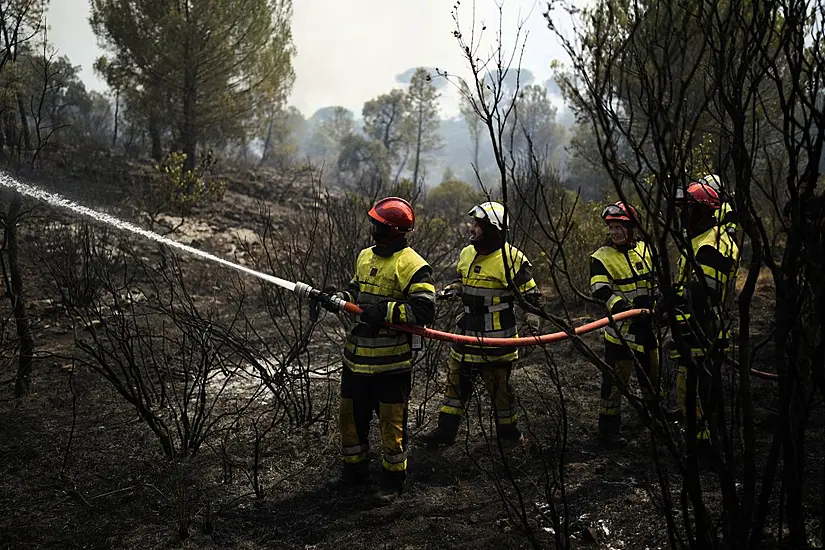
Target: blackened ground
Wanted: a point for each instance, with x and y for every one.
(116, 491)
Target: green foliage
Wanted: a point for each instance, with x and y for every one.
(364, 165)
(534, 117)
(327, 137)
(452, 199)
(180, 189)
(406, 189)
(42, 99)
(210, 69)
(424, 119)
(386, 120)
(585, 171)
(700, 158)
(282, 137)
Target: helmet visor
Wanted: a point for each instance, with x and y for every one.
(477, 213)
(613, 211)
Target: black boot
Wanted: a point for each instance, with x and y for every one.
(392, 485)
(610, 431)
(511, 437)
(612, 440)
(352, 475)
(444, 435)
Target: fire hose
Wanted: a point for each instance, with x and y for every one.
(306, 291)
(339, 304)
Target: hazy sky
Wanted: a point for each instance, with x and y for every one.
(349, 51)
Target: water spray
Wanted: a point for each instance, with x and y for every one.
(56, 200)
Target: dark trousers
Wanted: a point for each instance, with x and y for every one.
(622, 359)
(461, 378)
(387, 395)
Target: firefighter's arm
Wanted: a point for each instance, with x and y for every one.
(601, 288)
(419, 306)
(351, 293)
(529, 290)
(730, 218)
(455, 288)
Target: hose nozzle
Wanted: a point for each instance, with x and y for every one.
(305, 291)
(329, 303)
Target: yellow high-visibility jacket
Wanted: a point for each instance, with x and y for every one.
(403, 281)
(727, 219)
(488, 301)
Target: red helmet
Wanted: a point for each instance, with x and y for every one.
(394, 212)
(620, 212)
(701, 193)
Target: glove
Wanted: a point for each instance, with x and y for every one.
(533, 322)
(449, 291)
(375, 315)
(324, 301)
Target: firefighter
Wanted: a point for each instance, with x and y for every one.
(392, 284)
(702, 288)
(489, 299)
(725, 215)
(621, 276)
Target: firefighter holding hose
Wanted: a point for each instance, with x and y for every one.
(392, 284)
(621, 276)
(491, 273)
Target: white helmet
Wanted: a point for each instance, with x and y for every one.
(493, 212)
(716, 183)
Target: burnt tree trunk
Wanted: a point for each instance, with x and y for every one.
(22, 385)
(24, 124)
(154, 134)
(117, 114)
(417, 165)
(188, 129)
(267, 141)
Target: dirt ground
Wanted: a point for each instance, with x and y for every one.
(80, 470)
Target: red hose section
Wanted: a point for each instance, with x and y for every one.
(526, 340)
(520, 341)
(764, 375)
